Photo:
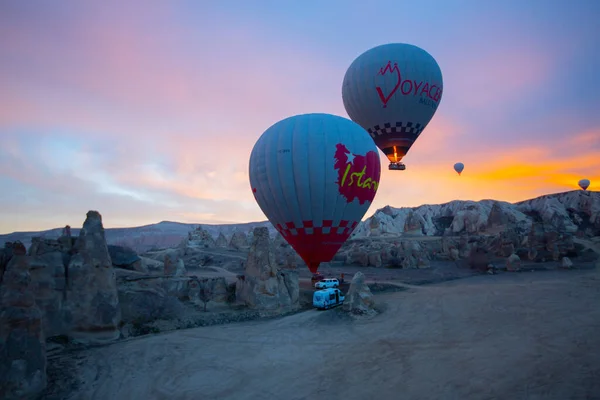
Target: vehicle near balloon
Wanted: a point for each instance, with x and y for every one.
(314, 176)
(393, 91)
(327, 283)
(327, 298)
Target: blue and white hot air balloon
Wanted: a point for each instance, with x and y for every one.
(459, 167)
(315, 176)
(392, 91)
(584, 183)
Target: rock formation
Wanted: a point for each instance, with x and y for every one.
(539, 243)
(359, 299)
(73, 283)
(221, 240)
(22, 341)
(357, 256)
(10, 249)
(287, 258)
(146, 300)
(437, 220)
(566, 263)
(479, 257)
(93, 289)
(173, 264)
(149, 298)
(239, 240)
(201, 238)
(49, 274)
(568, 212)
(40, 246)
(379, 252)
(126, 258)
(513, 263)
(263, 286)
(208, 289)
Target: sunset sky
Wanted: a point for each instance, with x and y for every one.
(148, 110)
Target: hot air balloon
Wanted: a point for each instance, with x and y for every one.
(584, 183)
(392, 91)
(315, 176)
(458, 167)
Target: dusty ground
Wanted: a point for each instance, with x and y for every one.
(509, 336)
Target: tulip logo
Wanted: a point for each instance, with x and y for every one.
(392, 70)
(358, 175)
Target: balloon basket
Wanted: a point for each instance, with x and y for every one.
(397, 166)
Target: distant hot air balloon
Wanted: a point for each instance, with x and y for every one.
(315, 176)
(458, 167)
(392, 91)
(584, 183)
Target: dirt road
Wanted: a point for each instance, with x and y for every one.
(510, 336)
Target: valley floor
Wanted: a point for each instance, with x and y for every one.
(507, 336)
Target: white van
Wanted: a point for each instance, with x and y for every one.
(327, 298)
(327, 283)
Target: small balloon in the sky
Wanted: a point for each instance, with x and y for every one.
(584, 183)
(458, 167)
(315, 176)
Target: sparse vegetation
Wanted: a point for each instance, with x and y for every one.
(206, 260)
(140, 328)
(59, 339)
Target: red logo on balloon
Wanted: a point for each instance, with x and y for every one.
(358, 176)
(407, 86)
(382, 71)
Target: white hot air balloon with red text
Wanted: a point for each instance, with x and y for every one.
(393, 91)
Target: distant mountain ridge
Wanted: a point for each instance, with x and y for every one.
(572, 211)
(143, 238)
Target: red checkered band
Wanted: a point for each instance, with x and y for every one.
(344, 227)
(316, 244)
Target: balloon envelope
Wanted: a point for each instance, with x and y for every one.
(315, 176)
(458, 167)
(393, 91)
(584, 183)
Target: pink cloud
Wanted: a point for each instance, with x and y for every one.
(150, 100)
(184, 77)
(48, 197)
(588, 139)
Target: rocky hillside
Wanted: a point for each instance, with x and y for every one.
(576, 212)
(571, 212)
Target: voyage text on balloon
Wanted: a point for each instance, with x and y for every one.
(409, 87)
